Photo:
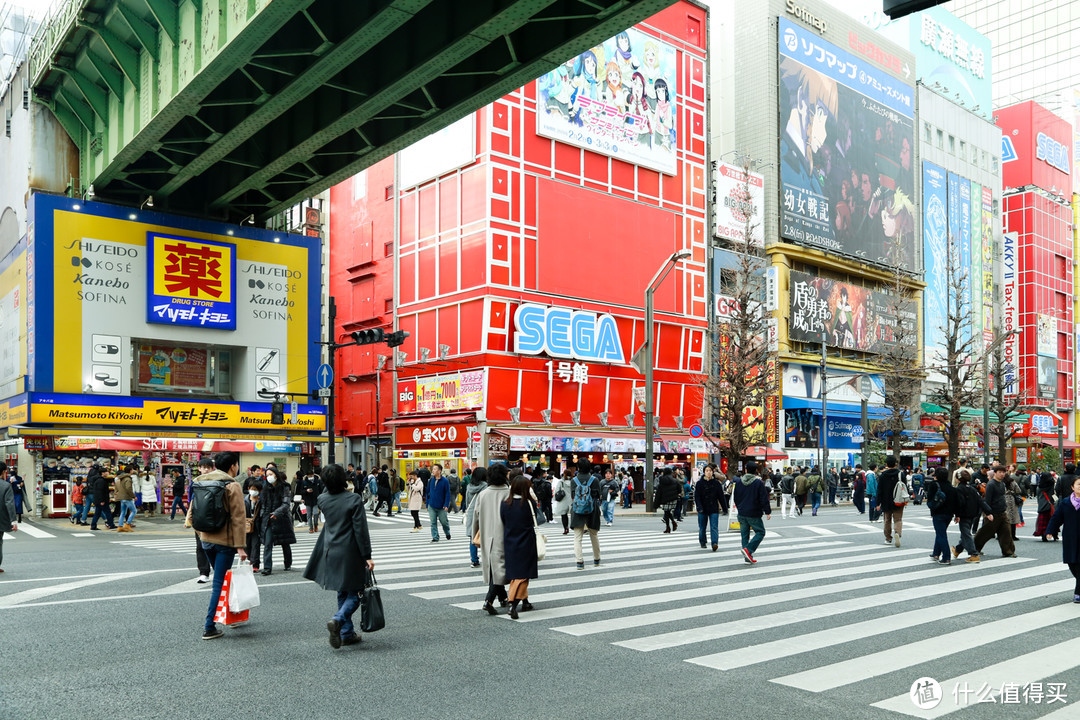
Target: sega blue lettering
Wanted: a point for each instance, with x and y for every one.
(1008, 152)
(1052, 152)
(565, 333)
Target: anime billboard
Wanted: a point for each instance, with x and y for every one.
(846, 152)
(848, 316)
(617, 99)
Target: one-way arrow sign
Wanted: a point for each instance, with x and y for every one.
(324, 375)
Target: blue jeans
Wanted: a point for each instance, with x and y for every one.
(474, 552)
(221, 559)
(178, 501)
(127, 511)
(347, 603)
(815, 502)
(941, 536)
(758, 525)
(608, 509)
(88, 502)
(711, 519)
(440, 515)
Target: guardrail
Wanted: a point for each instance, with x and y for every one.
(54, 29)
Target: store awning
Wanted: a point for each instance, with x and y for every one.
(411, 420)
(764, 452)
(1052, 442)
(851, 410)
(970, 413)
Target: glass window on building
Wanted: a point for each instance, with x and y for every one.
(952, 144)
(927, 132)
(940, 139)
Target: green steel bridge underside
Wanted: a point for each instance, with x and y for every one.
(228, 108)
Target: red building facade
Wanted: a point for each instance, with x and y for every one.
(1036, 171)
(515, 248)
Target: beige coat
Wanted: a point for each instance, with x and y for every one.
(487, 519)
(234, 533)
(416, 495)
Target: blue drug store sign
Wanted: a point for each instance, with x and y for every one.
(191, 282)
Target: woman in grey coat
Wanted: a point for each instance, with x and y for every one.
(341, 559)
(487, 528)
(477, 483)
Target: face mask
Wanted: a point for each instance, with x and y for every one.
(253, 493)
(271, 479)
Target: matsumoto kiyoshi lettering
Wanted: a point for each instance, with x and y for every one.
(564, 333)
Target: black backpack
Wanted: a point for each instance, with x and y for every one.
(935, 496)
(967, 501)
(208, 511)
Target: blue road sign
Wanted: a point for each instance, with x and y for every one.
(324, 375)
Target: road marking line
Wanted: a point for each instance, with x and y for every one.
(809, 614)
(819, 530)
(1020, 670)
(33, 531)
(34, 593)
(827, 677)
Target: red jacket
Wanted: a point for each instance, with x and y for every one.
(77, 494)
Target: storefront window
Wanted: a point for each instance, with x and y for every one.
(186, 369)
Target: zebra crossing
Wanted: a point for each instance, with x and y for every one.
(664, 593)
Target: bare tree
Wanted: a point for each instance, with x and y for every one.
(960, 389)
(734, 392)
(898, 361)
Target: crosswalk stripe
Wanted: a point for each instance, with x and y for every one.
(672, 563)
(850, 605)
(34, 531)
(25, 596)
(763, 580)
(819, 530)
(796, 595)
(846, 672)
(1021, 670)
(933, 648)
(864, 527)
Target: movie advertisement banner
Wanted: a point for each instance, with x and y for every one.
(1046, 335)
(935, 260)
(849, 316)
(1047, 377)
(846, 152)
(739, 200)
(618, 99)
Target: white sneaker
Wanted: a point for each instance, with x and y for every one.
(896, 540)
(203, 579)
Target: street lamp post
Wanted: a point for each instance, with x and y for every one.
(650, 353)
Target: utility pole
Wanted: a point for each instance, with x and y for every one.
(330, 454)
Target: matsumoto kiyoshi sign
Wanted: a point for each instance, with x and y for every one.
(565, 333)
(191, 282)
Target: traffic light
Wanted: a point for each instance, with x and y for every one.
(368, 337)
(395, 339)
(277, 413)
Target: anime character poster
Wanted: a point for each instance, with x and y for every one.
(847, 316)
(618, 99)
(846, 153)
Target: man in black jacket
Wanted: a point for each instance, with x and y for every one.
(751, 503)
(997, 521)
(99, 488)
(893, 513)
(707, 493)
(1064, 483)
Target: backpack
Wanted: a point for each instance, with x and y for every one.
(900, 494)
(583, 500)
(937, 499)
(208, 511)
(968, 502)
(400, 484)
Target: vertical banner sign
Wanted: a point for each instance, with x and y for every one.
(976, 250)
(964, 211)
(739, 199)
(935, 257)
(988, 264)
(1010, 310)
(192, 282)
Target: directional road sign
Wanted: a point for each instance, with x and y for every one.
(324, 375)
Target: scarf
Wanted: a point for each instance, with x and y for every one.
(1075, 501)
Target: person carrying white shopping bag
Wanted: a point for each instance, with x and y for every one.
(243, 591)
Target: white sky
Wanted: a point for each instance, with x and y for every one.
(35, 7)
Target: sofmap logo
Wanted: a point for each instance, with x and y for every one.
(1008, 152)
(564, 333)
(1051, 152)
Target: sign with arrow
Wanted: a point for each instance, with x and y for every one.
(324, 376)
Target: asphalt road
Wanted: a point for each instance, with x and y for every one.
(831, 623)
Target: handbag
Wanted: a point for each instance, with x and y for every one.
(243, 591)
(371, 608)
(541, 540)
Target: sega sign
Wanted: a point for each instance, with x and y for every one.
(565, 333)
(1051, 152)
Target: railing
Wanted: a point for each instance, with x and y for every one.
(55, 28)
